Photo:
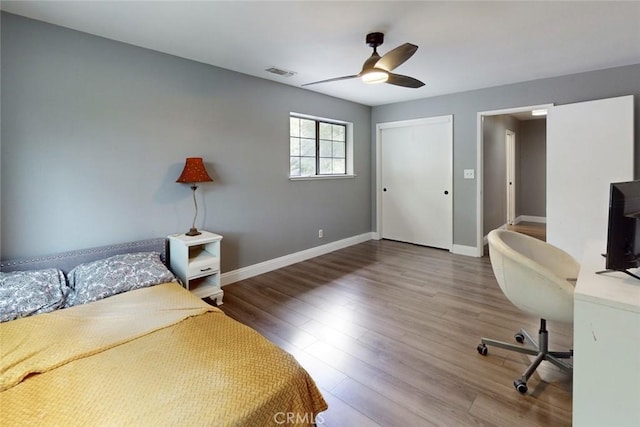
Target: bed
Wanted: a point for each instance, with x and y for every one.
(152, 355)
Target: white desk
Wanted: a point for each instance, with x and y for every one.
(606, 342)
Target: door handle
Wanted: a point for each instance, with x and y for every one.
(384, 189)
(446, 192)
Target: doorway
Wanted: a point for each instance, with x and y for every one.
(511, 187)
(414, 181)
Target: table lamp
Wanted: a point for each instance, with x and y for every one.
(193, 173)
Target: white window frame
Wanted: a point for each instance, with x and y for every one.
(349, 148)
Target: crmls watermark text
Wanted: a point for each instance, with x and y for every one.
(284, 418)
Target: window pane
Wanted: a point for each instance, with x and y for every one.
(338, 132)
(325, 130)
(307, 128)
(294, 126)
(325, 166)
(294, 166)
(307, 147)
(325, 148)
(294, 147)
(339, 166)
(307, 166)
(317, 147)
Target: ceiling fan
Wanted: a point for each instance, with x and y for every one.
(377, 69)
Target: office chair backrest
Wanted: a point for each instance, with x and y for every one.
(535, 276)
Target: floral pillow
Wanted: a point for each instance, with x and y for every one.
(23, 293)
(120, 273)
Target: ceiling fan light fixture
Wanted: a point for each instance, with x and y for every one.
(375, 76)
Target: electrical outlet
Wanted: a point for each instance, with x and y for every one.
(320, 233)
(469, 174)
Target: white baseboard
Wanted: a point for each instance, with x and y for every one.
(531, 218)
(283, 261)
(455, 249)
(465, 250)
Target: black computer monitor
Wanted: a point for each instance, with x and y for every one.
(623, 234)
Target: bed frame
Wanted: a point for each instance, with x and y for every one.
(65, 261)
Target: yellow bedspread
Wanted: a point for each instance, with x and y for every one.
(155, 356)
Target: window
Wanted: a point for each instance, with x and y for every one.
(319, 147)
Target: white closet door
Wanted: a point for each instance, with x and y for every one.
(589, 145)
(416, 181)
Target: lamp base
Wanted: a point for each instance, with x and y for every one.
(193, 232)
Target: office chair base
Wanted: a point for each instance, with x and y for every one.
(540, 351)
(521, 386)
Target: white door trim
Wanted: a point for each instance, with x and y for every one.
(378, 160)
(510, 141)
(479, 148)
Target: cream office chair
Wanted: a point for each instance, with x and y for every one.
(539, 279)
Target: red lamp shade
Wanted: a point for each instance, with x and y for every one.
(194, 171)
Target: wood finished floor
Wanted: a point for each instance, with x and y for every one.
(389, 331)
(534, 229)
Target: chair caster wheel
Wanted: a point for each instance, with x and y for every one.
(521, 386)
(519, 337)
(482, 349)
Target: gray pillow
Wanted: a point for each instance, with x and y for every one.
(120, 273)
(23, 293)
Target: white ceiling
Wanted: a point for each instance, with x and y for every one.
(463, 45)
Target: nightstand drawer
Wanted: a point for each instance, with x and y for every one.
(202, 266)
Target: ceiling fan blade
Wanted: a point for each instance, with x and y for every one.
(396, 57)
(370, 62)
(335, 79)
(404, 81)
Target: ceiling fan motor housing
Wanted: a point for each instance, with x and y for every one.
(375, 39)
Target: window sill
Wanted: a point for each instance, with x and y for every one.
(320, 177)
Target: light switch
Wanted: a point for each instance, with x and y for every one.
(469, 174)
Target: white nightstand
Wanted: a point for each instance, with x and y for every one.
(196, 262)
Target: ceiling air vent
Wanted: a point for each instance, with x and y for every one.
(280, 72)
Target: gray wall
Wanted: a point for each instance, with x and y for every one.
(531, 193)
(95, 133)
(465, 106)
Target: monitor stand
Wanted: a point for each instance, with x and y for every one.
(621, 271)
